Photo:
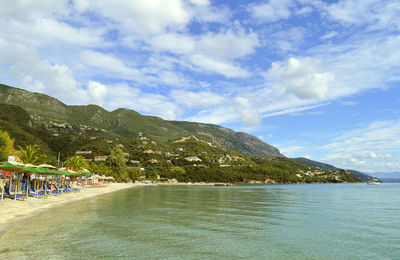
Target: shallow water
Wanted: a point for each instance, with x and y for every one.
(327, 221)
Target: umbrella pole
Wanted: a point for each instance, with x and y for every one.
(3, 184)
(27, 186)
(16, 186)
(45, 185)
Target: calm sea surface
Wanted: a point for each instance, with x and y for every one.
(331, 221)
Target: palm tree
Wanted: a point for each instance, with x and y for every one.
(31, 154)
(76, 162)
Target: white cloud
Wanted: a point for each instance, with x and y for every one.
(271, 11)
(371, 148)
(290, 150)
(145, 16)
(31, 72)
(374, 13)
(216, 115)
(31, 9)
(109, 64)
(248, 114)
(196, 99)
(211, 52)
(123, 95)
(97, 92)
(301, 77)
(201, 2)
(212, 65)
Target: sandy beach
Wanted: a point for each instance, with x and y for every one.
(10, 210)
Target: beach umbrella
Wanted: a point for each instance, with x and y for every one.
(48, 166)
(14, 167)
(29, 168)
(45, 171)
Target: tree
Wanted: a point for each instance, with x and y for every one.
(77, 162)
(117, 162)
(31, 154)
(133, 173)
(6, 145)
(100, 168)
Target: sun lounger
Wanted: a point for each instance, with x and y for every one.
(13, 196)
(51, 191)
(34, 192)
(69, 187)
(66, 189)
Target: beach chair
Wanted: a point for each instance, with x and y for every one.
(13, 196)
(66, 189)
(50, 190)
(69, 187)
(34, 192)
(59, 190)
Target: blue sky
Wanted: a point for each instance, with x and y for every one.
(314, 78)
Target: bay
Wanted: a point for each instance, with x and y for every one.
(315, 221)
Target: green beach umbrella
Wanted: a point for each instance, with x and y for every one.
(11, 166)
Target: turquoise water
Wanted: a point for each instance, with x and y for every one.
(327, 221)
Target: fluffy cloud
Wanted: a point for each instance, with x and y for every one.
(290, 150)
(30, 71)
(301, 77)
(361, 12)
(123, 95)
(371, 148)
(271, 11)
(145, 16)
(196, 99)
(211, 52)
(97, 92)
(248, 114)
(110, 64)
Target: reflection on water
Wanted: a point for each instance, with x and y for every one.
(352, 221)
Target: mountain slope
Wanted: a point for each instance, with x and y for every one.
(127, 123)
(324, 166)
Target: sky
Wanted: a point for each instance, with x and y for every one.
(317, 79)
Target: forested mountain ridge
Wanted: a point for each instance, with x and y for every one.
(127, 123)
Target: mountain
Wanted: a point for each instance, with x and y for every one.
(362, 176)
(189, 152)
(125, 123)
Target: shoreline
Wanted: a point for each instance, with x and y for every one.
(11, 211)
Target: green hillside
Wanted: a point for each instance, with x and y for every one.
(362, 176)
(188, 152)
(125, 123)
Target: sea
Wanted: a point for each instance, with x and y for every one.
(310, 221)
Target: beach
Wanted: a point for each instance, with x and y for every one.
(11, 210)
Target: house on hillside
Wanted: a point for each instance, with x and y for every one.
(120, 146)
(153, 160)
(83, 152)
(193, 159)
(100, 158)
(126, 154)
(180, 149)
(109, 141)
(148, 151)
(157, 152)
